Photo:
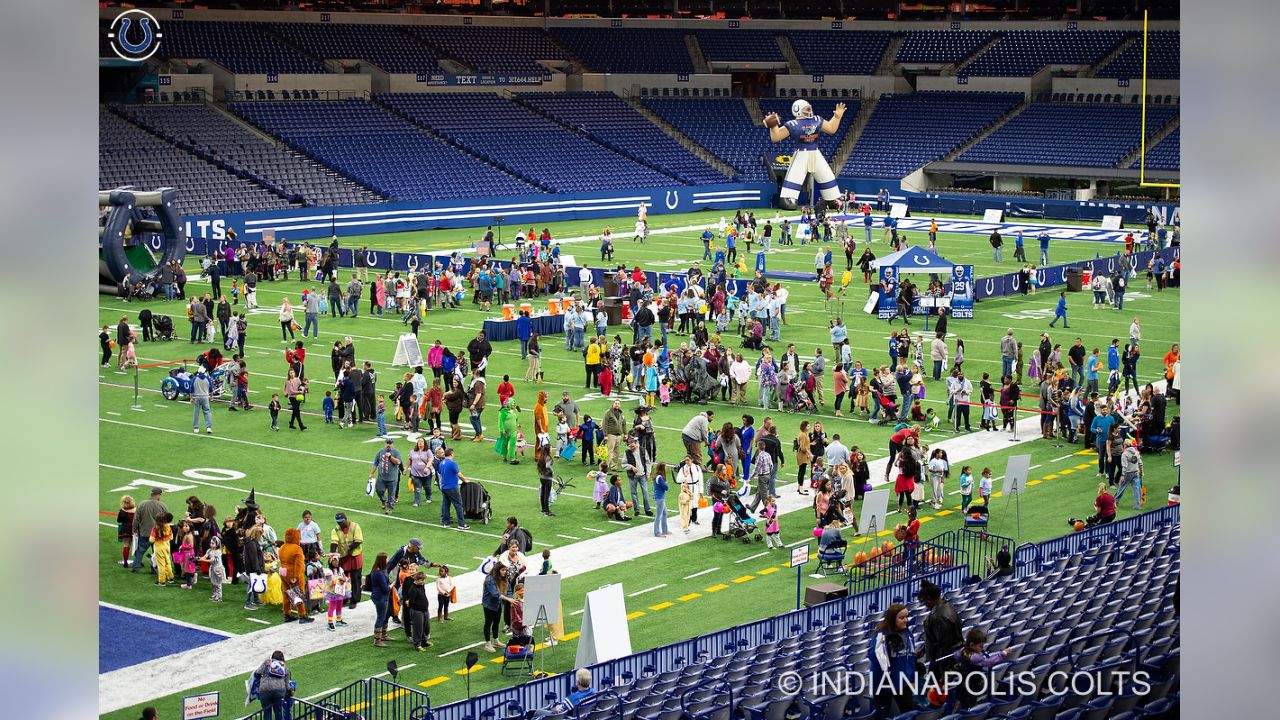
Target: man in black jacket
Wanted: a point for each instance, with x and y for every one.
(644, 324)
(942, 632)
(368, 393)
(355, 376)
(348, 352)
(478, 349)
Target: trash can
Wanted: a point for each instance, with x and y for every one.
(1075, 279)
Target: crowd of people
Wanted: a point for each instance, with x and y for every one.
(693, 343)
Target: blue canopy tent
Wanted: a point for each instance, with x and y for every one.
(914, 259)
(911, 259)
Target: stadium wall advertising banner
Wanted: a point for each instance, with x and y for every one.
(962, 294)
(888, 305)
(311, 223)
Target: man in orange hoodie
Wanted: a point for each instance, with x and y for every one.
(293, 575)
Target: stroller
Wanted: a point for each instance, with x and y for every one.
(888, 407)
(741, 524)
(476, 502)
(163, 326)
(796, 400)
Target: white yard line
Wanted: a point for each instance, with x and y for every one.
(464, 647)
(641, 592)
(698, 574)
(750, 557)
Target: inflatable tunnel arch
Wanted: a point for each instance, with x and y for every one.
(124, 217)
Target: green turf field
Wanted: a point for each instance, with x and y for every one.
(325, 468)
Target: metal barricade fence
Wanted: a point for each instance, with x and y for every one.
(298, 709)
(904, 562)
(391, 701)
(979, 547)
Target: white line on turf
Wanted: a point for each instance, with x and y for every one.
(641, 592)
(464, 647)
(320, 694)
(750, 557)
(171, 621)
(106, 524)
(577, 612)
(697, 574)
(221, 438)
(594, 530)
(798, 542)
(456, 567)
(263, 622)
(568, 537)
(385, 673)
(113, 413)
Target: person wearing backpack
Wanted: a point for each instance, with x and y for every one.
(272, 684)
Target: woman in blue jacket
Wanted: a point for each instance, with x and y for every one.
(893, 662)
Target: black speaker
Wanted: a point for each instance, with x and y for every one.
(822, 592)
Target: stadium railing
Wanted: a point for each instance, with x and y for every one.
(1031, 558)
(979, 547)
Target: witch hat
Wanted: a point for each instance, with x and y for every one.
(250, 502)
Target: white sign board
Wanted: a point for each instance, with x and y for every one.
(1015, 474)
(875, 506)
(872, 302)
(542, 594)
(993, 215)
(408, 354)
(898, 210)
(569, 261)
(197, 707)
(1177, 458)
(800, 555)
(604, 635)
(1111, 222)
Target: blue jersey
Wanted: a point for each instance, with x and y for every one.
(1044, 241)
(805, 132)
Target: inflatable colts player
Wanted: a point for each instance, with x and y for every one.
(806, 159)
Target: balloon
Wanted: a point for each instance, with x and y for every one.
(817, 532)
(718, 507)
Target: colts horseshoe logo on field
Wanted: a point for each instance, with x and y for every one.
(672, 199)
